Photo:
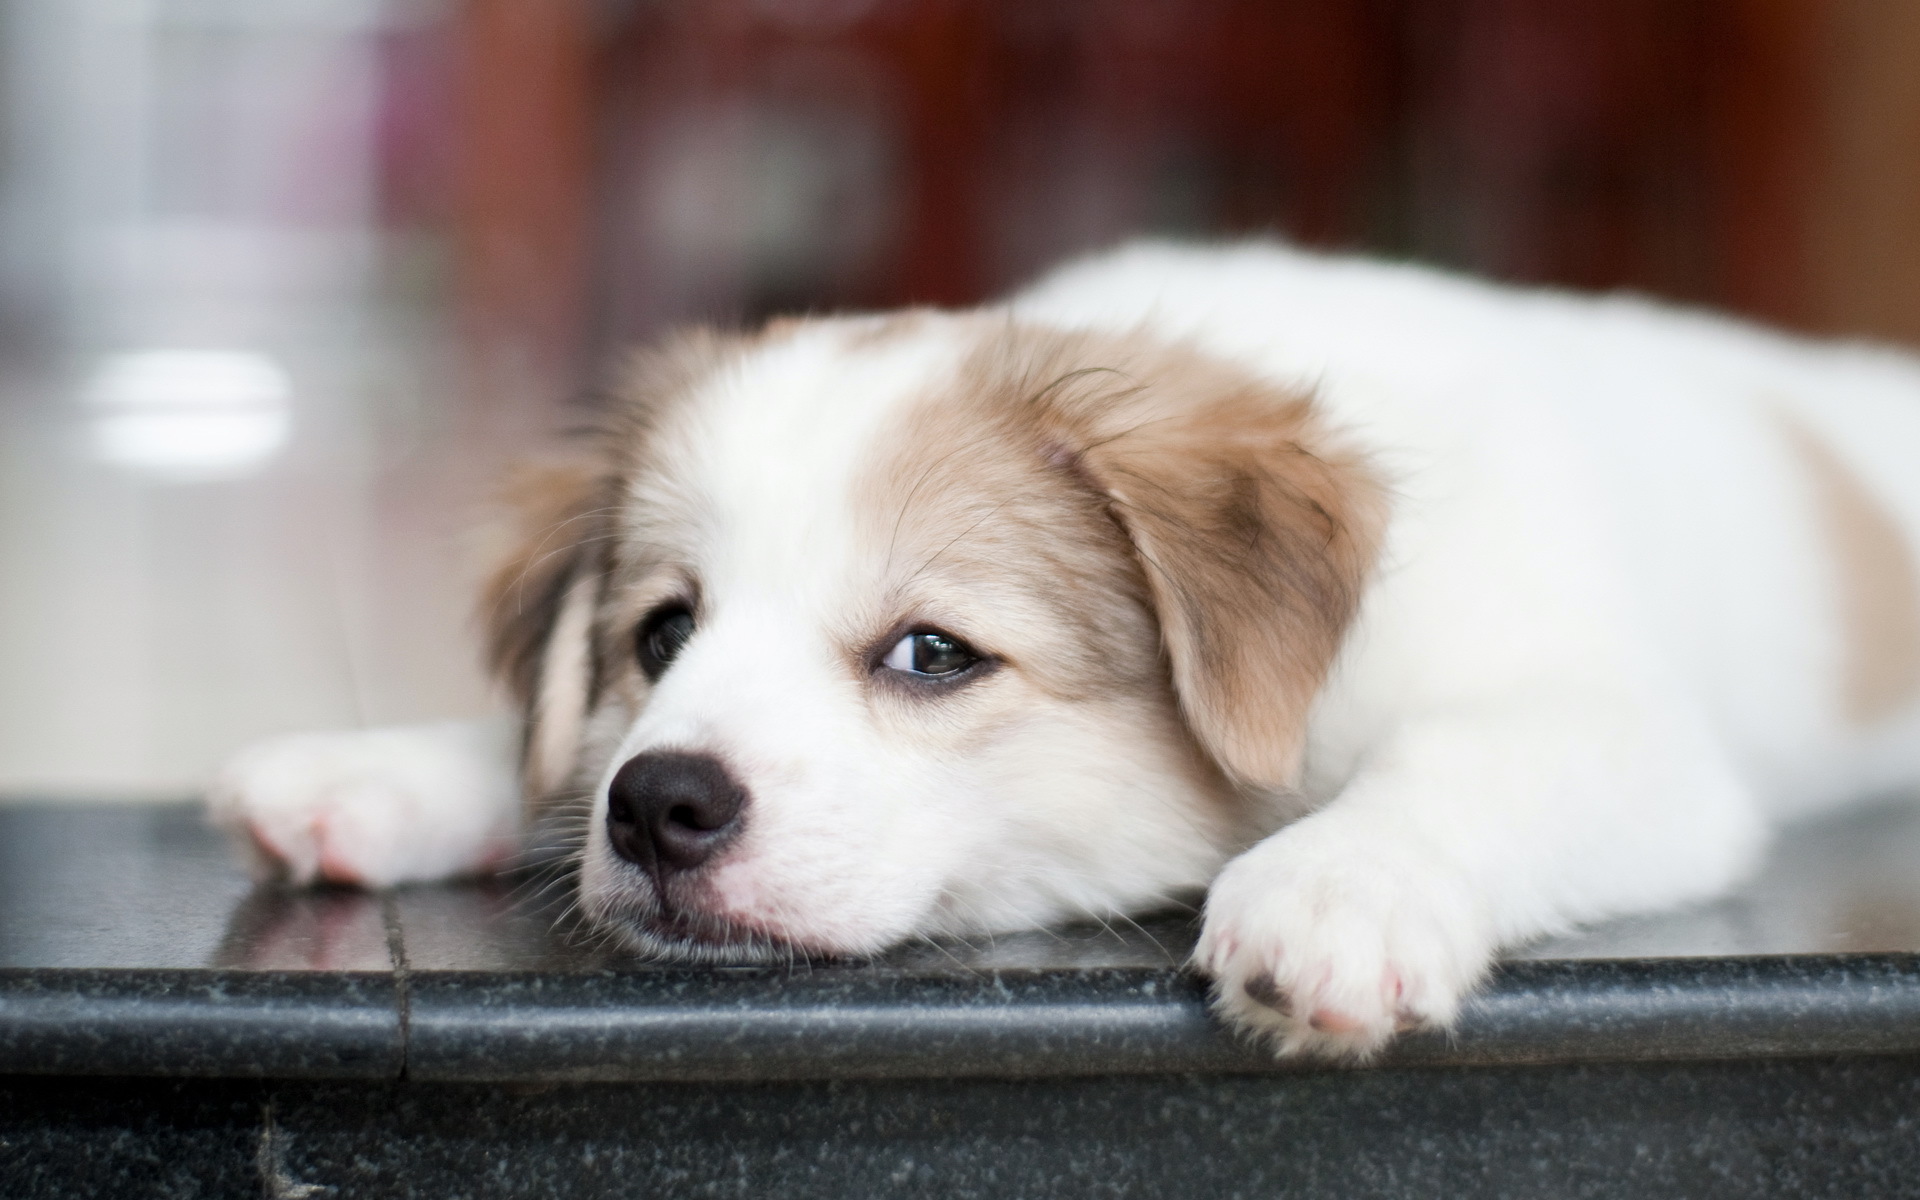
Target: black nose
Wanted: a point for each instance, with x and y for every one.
(672, 812)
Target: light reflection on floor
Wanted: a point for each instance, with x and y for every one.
(148, 627)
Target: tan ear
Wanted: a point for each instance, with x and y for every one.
(538, 610)
(539, 607)
(1255, 528)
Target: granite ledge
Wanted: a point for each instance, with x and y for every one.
(208, 1023)
(681, 1026)
(130, 944)
(853, 1023)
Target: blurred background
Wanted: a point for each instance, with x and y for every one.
(283, 283)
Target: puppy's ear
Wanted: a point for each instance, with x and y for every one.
(1255, 530)
(539, 607)
(538, 610)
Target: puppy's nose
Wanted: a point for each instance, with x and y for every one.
(672, 812)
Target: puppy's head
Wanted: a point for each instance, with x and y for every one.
(864, 629)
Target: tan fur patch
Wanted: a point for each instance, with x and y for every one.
(1879, 593)
(543, 592)
(538, 607)
(1211, 503)
(652, 379)
(965, 500)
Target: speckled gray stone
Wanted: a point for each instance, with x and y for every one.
(172, 1022)
(168, 1030)
(1809, 1129)
(879, 1022)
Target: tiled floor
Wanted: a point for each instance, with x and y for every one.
(153, 887)
(148, 628)
(206, 180)
(130, 943)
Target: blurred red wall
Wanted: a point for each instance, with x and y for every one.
(625, 167)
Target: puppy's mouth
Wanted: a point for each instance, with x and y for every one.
(669, 933)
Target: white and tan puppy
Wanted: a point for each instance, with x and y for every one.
(1409, 617)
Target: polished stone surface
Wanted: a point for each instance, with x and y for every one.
(151, 886)
(132, 943)
(256, 1024)
(1804, 1129)
(169, 1030)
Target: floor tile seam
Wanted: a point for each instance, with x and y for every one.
(402, 977)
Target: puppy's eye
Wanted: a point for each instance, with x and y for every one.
(661, 637)
(929, 652)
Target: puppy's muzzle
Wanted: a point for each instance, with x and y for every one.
(670, 812)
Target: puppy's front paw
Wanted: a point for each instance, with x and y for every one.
(373, 808)
(1326, 941)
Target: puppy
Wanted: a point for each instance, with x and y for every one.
(1406, 616)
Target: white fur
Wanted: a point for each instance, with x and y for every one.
(376, 808)
(1601, 655)
(867, 826)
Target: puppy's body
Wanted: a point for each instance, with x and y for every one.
(1415, 616)
(1575, 473)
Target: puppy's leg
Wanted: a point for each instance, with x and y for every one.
(376, 807)
(1463, 832)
